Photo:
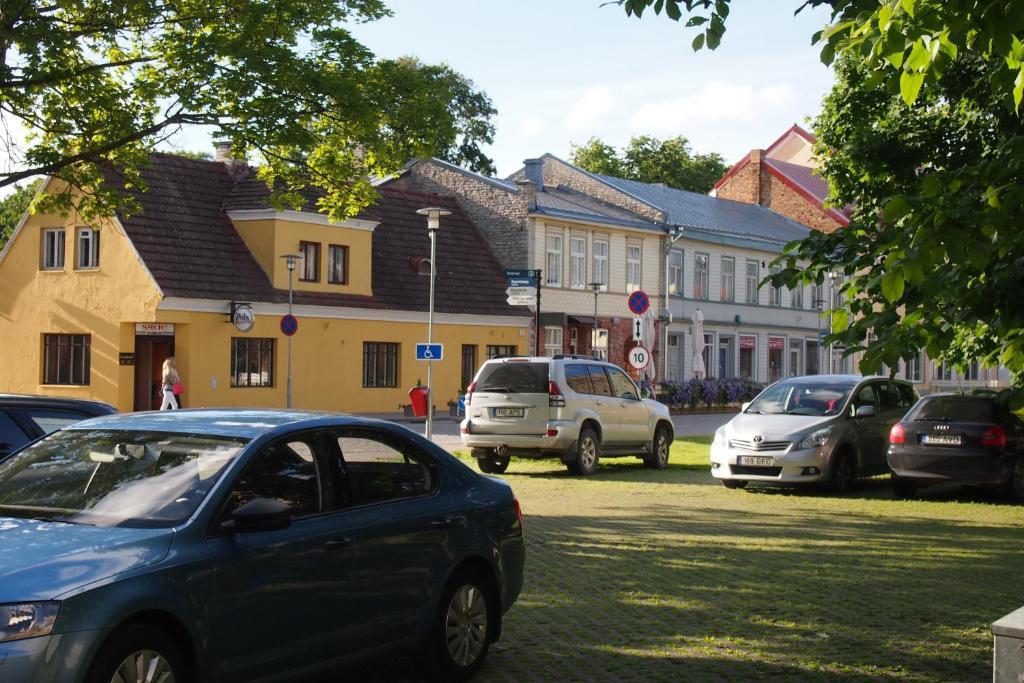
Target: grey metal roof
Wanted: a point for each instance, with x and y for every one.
(709, 214)
(569, 203)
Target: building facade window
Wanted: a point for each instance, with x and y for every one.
(380, 365)
(88, 248)
(554, 260)
(813, 356)
(816, 301)
(495, 350)
(776, 358)
(66, 358)
(728, 288)
(971, 371)
(552, 341)
(310, 252)
(675, 272)
(633, 255)
(468, 364)
(577, 262)
(752, 279)
(943, 371)
(599, 344)
(748, 356)
(912, 369)
(700, 276)
(601, 262)
(337, 264)
(53, 249)
(797, 296)
(252, 362)
(775, 293)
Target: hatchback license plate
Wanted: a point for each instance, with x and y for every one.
(755, 460)
(941, 439)
(508, 412)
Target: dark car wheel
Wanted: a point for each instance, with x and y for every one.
(903, 488)
(658, 460)
(844, 473)
(1017, 481)
(588, 453)
(139, 653)
(462, 627)
(734, 483)
(489, 461)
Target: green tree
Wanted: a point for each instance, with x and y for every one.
(98, 83)
(650, 160)
(13, 207)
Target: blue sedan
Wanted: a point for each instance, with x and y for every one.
(227, 545)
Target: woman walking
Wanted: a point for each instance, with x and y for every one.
(170, 380)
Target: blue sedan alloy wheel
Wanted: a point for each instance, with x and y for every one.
(144, 666)
(138, 653)
(466, 625)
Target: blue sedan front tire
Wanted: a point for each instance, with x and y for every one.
(139, 653)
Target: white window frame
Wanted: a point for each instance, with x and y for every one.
(577, 261)
(701, 276)
(553, 260)
(600, 274)
(752, 288)
(53, 249)
(797, 296)
(552, 340)
(88, 249)
(728, 286)
(675, 272)
(775, 293)
(634, 259)
(599, 343)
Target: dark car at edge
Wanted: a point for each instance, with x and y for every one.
(967, 439)
(26, 418)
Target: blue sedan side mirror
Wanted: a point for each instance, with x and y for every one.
(259, 514)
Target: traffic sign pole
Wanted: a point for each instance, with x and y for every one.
(536, 319)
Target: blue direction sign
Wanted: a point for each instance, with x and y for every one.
(639, 302)
(289, 325)
(430, 352)
(522, 273)
(522, 278)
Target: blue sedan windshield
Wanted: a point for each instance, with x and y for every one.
(113, 477)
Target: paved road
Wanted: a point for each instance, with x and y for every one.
(446, 430)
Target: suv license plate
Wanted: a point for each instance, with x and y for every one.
(941, 439)
(508, 412)
(755, 460)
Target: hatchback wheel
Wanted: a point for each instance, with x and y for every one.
(588, 453)
(658, 459)
(844, 473)
(138, 653)
(903, 488)
(461, 636)
(734, 483)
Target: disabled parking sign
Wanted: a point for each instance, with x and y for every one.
(429, 351)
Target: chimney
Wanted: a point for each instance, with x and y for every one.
(529, 191)
(222, 151)
(756, 156)
(535, 173)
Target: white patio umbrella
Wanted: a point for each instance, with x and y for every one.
(699, 370)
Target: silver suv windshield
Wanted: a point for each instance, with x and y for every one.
(514, 377)
(114, 478)
(802, 398)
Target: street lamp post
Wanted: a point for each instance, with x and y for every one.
(433, 215)
(833, 278)
(290, 261)
(596, 286)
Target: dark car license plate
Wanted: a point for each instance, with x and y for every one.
(755, 460)
(941, 440)
(508, 412)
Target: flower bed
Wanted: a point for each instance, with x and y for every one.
(708, 393)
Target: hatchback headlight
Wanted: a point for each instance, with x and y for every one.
(719, 437)
(815, 439)
(27, 620)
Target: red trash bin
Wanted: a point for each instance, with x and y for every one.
(418, 396)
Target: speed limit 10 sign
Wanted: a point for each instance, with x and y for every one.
(639, 357)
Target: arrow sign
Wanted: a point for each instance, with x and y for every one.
(521, 291)
(521, 300)
(638, 329)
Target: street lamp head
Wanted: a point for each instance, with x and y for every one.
(433, 214)
(291, 260)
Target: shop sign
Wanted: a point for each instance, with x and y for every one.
(154, 329)
(748, 342)
(776, 343)
(243, 317)
(126, 358)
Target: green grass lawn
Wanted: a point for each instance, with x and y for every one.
(635, 574)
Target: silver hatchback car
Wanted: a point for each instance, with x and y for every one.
(820, 428)
(575, 408)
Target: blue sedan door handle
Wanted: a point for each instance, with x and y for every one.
(446, 521)
(338, 543)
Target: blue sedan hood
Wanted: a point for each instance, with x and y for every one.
(43, 560)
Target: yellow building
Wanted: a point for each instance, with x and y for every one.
(91, 309)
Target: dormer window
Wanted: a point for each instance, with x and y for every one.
(337, 264)
(88, 248)
(53, 249)
(310, 252)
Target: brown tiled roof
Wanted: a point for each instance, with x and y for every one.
(193, 250)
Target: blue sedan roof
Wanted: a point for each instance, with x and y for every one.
(244, 423)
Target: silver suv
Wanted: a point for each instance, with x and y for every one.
(574, 408)
(820, 428)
